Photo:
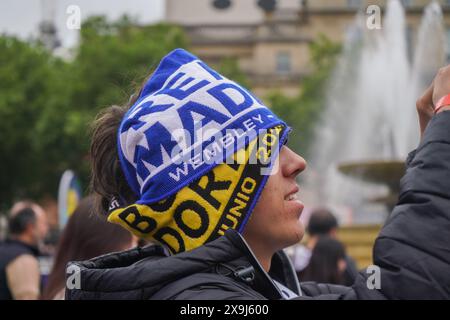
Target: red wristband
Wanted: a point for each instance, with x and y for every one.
(444, 101)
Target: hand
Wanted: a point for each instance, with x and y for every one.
(425, 108)
(441, 84)
(426, 103)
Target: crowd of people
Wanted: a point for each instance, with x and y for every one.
(85, 236)
(323, 257)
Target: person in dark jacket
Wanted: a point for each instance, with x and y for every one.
(221, 224)
(20, 277)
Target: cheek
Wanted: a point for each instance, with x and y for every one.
(269, 208)
(43, 228)
(271, 200)
(261, 215)
(274, 193)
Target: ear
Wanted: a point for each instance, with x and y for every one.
(30, 227)
(333, 233)
(342, 265)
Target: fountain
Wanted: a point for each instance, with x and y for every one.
(384, 172)
(370, 123)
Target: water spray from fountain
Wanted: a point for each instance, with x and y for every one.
(370, 123)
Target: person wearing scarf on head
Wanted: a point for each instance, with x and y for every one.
(199, 166)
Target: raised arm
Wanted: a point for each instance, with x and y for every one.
(413, 248)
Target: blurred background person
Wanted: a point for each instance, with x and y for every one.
(322, 223)
(85, 236)
(19, 266)
(327, 263)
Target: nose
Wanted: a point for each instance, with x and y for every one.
(294, 164)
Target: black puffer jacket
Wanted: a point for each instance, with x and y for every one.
(220, 270)
(412, 251)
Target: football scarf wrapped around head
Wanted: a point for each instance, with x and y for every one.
(196, 149)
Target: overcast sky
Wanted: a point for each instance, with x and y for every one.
(21, 17)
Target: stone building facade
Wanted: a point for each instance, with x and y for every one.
(272, 47)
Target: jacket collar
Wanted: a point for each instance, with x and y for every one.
(229, 255)
(281, 269)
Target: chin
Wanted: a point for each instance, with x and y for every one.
(300, 231)
(295, 237)
(300, 235)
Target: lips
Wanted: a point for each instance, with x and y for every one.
(292, 195)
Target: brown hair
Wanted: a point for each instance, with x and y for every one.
(323, 265)
(107, 178)
(85, 236)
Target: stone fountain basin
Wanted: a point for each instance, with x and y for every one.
(385, 172)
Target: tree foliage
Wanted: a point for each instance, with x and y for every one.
(47, 103)
(302, 111)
